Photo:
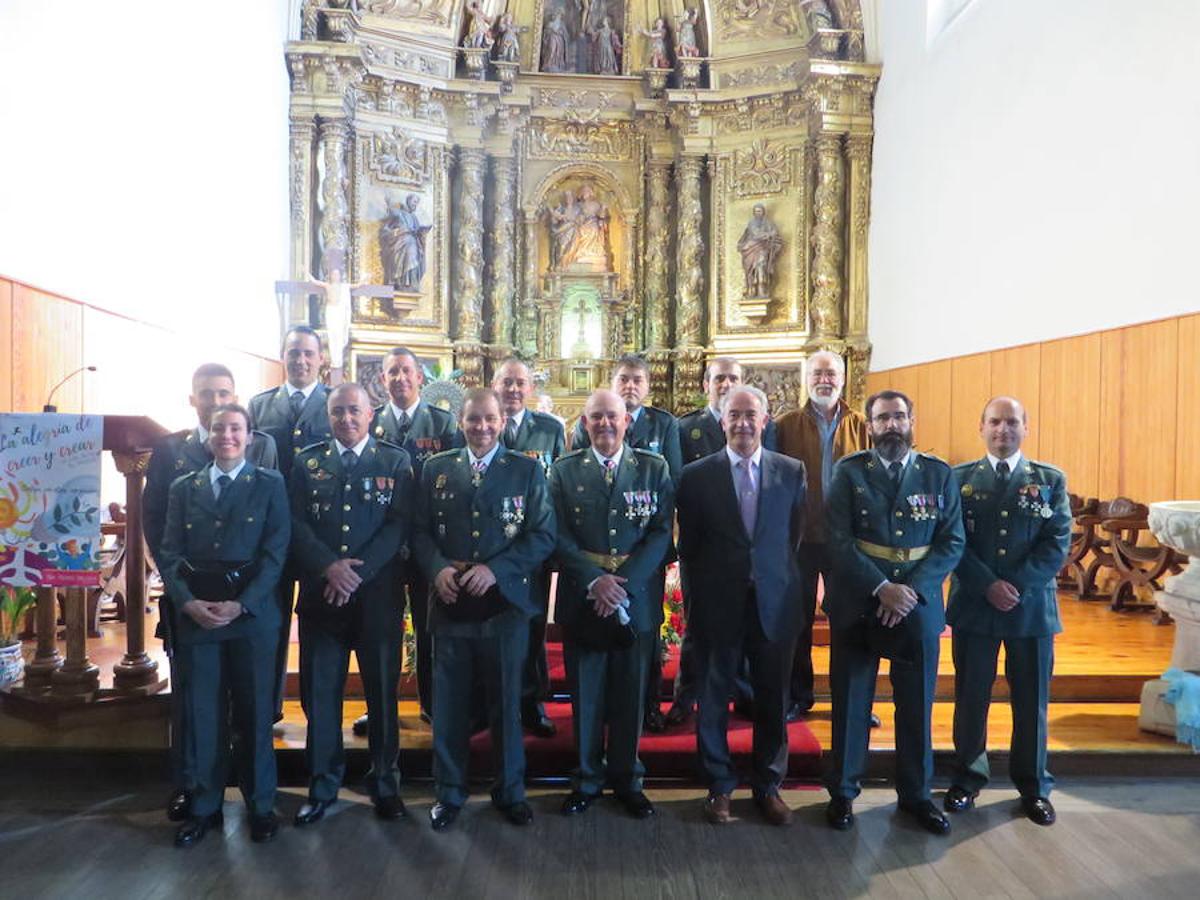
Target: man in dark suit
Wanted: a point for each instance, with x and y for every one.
(182, 453)
(741, 518)
(1017, 517)
(539, 436)
(295, 415)
(614, 507)
(231, 516)
(422, 430)
(484, 526)
(655, 430)
(894, 533)
(351, 514)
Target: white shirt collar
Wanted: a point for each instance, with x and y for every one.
(306, 391)
(518, 417)
(215, 472)
(735, 458)
(357, 448)
(715, 413)
(1013, 461)
(616, 457)
(903, 461)
(487, 458)
(202, 434)
(411, 412)
(636, 414)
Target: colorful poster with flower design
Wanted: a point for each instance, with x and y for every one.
(50, 499)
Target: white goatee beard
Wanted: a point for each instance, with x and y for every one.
(824, 403)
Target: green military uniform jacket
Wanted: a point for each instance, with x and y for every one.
(182, 453)
(249, 524)
(506, 522)
(272, 412)
(924, 511)
(631, 518)
(655, 430)
(361, 514)
(539, 437)
(1020, 535)
(431, 431)
(700, 435)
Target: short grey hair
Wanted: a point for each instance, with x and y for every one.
(839, 363)
(754, 392)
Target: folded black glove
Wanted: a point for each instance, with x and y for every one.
(217, 582)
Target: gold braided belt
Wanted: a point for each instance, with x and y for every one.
(893, 554)
(610, 562)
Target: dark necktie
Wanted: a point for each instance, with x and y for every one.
(510, 434)
(1001, 474)
(894, 470)
(402, 425)
(297, 403)
(349, 458)
(222, 484)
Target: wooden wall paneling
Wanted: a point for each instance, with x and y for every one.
(1148, 422)
(933, 408)
(1070, 411)
(1018, 372)
(1108, 462)
(47, 335)
(970, 388)
(6, 339)
(1187, 411)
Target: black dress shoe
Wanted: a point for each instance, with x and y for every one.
(193, 830)
(519, 813)
(360, 726)
(874, 721)
(1039, 810)
(390, 808)
(636, 804)
(536, 722)
(310, 812)
(442, 815)
(796, 712)
(840, 813)
(179, 807)
(959, 799)
(679, 713)
(654, 721)
(577, 802)
(264, 828)
(927, 816)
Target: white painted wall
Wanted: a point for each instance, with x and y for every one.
(1036, 172)
(143, 165)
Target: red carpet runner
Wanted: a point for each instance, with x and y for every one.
(671, 755)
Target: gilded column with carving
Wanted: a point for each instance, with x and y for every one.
(658, 297)
(299, 195)
(335, 213)
(527, 315)
(689, 277)
(827, 240)
(858, 163)
(504, 255)
(468, 292)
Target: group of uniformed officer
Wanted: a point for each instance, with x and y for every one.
(396, 503)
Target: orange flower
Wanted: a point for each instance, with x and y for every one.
(8, 513)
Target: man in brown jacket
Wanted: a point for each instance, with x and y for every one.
(819, 433)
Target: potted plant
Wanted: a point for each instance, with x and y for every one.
(15, 602)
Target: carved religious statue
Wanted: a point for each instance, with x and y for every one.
(819, 14)
(658, 44)
(685, 39)
(479, 34)
(579, 232)
(759, 245)
(606, 49)
(402, 244)
(554, 44)
(509, 47)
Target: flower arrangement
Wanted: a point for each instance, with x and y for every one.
(15, 602)
(674, 625)
(409, 664)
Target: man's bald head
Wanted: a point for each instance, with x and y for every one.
(605, 419)
(1003, 426)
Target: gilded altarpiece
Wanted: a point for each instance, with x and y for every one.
(570, 181)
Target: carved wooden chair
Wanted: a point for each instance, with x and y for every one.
(1070, 576)
(1140, 561)
(1098, 540)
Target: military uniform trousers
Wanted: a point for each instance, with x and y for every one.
(374, 633)
(285, 594)
(535, 679)
(814, 563)
(1028, 665)
(607, 691)
(465, 653)
(769, 665)
(182, 762)
(229, 682)
(853, 669)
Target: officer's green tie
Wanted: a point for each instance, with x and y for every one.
(349, 458)
(894, 469)
(1001, 474)
(402, 424)
(297, 403)
(222, 483)
(510, 433)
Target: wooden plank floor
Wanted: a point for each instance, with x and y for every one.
(107, 838)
